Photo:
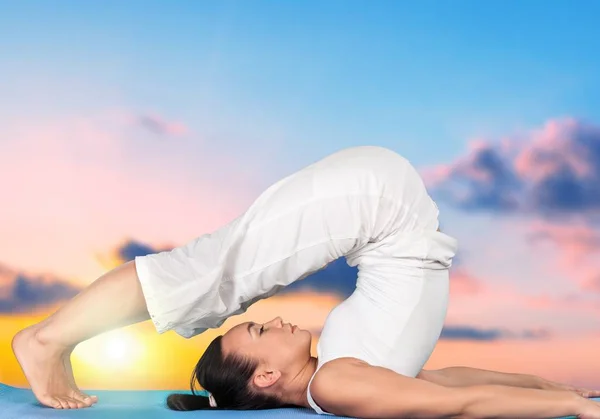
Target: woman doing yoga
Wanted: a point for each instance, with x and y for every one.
(367, 204)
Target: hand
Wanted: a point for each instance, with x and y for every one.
(589, 409)
(583, 392)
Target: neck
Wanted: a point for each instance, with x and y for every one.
(297, 387)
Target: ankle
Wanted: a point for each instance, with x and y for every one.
(49, 339)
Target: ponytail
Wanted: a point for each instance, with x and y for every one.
(188, 402)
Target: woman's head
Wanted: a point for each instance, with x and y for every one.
(248, 367)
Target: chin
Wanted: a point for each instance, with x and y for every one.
(306, 335)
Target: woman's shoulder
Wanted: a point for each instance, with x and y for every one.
(351, 387)
(335, 378)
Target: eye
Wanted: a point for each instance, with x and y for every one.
(262, 329)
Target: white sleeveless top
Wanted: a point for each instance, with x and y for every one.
(395, 316)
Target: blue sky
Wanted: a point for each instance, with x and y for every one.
(414, 76)
(279, 85)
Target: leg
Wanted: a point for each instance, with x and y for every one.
(43, 350)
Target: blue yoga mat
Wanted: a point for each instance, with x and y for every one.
(17, 403)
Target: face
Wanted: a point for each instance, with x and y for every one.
(279, 347)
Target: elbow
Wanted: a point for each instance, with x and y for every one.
(469, 399)
(455, 403)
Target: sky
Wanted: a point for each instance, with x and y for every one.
(132, 128)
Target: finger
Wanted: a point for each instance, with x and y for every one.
(586, 392)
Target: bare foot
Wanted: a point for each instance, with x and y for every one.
(46, 370)
(78, 394)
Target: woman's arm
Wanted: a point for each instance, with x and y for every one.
(348, 387)
(466, 376)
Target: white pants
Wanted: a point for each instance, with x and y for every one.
(347, 204)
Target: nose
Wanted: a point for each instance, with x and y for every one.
(277, 322)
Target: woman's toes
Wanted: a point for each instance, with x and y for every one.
(90, 400)
(71, 402)
(82, 398)
(63, 403)
(77, 404)
(51, 402)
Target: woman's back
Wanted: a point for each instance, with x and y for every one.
(394, 317)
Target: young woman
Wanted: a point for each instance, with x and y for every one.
(367, 204)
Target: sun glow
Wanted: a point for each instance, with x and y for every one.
(117, 349)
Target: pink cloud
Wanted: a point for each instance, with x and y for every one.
(578, 239)
(566, 303)
(555, 147)
(592, 283)
(550, 176)
(554, 170)
(578, 244)
(463, 283)
(494, 302)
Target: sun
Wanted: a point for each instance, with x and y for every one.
(118, 349)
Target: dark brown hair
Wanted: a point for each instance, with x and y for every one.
(227, 378)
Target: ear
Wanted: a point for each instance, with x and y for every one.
(266, 378)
